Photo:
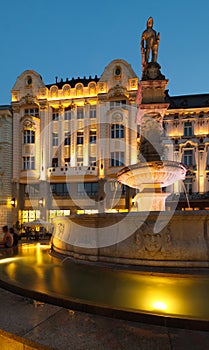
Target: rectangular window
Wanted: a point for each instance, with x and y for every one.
(92, 136)
(117, 159)
(60, 189)
(188, 129)
(80, 138)
(67, 113)
(117, 131)
(80, 161)
(55, 114)
(80, 112)
(54, 162)
(28, 163)
(121, 103)
(67, 139)
(67, 161)
(54, 139)
(88, 189)
(29, 136)
(93, 112)
(92, 161)
(188, 157)
(31, 191)
(32, 111)
(188, 185)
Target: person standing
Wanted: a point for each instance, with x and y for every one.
(8, 239)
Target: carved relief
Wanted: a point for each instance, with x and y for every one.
(117, 117)
(151, 242)
(29, 124)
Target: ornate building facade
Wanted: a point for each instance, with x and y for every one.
(5, 165)
(72, 137)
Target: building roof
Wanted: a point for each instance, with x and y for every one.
(188, 101)
(72, 82)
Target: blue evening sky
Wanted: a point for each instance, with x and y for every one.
(75, 38)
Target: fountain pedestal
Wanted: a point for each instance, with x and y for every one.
(151, 198)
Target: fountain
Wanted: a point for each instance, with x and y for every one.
(149, 236)
(142, 249)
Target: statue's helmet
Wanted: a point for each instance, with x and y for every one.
(150, 22)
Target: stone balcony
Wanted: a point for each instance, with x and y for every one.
(72, 171)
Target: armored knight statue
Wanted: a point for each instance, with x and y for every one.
(149, 51)
(149, 43)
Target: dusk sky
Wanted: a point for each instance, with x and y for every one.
(76, 38)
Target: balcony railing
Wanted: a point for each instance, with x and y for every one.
(73, 171)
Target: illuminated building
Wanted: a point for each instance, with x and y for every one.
(72, 137)
(5, 165)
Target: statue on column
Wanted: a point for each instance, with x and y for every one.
(149, 51)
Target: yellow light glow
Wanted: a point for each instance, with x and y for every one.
(160, 305)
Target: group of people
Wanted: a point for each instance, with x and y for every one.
(10, 237)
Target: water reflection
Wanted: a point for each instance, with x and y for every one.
(34, 269)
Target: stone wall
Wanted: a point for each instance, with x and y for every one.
(156, 239)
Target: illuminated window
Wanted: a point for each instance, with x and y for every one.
(188, 129)
(80, 137)
(67, 113)
(29, 136)
(60, 189)
(67, 139)
(92, 136)
(80, 112)
(54, 139)
(55, 114)
(88, 189)
(188, 157)
(28, 163)
(32, 111)
(93, 113)
(117, 131)
(117, 159)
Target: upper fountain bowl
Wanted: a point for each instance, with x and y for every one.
(161, 173)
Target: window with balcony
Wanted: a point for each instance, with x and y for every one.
(80, 138)
(28, 163)
(55, 114)
(32, 111)
(87, 189)
(67, 113)
(80, 112)
(54, 162)
(67, 139)
(79, 161)
(92, 136)
(60, 189)
(117, 131)
(54, 139)
(29, 136)
(92, 161)
(93, 112)
(117, 159)
(188, 129)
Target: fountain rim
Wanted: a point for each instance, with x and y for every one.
(160, 164)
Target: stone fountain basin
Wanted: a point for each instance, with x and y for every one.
(161, 173)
